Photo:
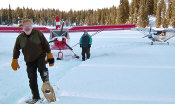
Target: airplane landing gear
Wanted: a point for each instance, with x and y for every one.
(168, 43)
(152, 43)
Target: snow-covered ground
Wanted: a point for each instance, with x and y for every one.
(124, 69)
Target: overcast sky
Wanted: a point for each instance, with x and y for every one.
(60, 4)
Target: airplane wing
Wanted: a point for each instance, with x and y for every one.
(168, 36)
(141, 29)
(73, 29)
(102, 28)
(169, 30)
(144, 31)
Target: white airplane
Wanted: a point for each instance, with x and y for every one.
(157, 35)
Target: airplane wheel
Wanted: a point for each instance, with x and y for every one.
(60, 55)
(151, 43)
(59, 58)
(168, 43)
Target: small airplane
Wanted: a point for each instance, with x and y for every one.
(157, 35)
(60, 36)
(58, 40)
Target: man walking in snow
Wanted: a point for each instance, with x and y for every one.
(85, 44)
(35, 48)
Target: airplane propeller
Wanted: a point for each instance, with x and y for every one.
(61, 29)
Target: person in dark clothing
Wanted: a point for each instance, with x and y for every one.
(85, 44)
(35, 48)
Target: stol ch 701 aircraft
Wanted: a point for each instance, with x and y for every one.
(157, 35)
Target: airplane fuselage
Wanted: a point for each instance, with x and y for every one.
(161, 36)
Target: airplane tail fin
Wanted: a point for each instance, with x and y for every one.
(57, 22)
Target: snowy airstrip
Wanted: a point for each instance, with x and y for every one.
(124, 69)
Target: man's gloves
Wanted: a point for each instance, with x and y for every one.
(15, 64)
(50, 59)
(89, 45)
(81, 45)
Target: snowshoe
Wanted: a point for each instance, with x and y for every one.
(48, 92)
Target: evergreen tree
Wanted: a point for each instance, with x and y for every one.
(134, 8)
(155, 7)
(5, 16)
(150, 6)
(158, 16)
(173, 14)
(169, 12)
(9, 15)
(161, 14)
(164, 19)
(123, 12)
(143, 20)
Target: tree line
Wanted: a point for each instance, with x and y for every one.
(137, 12)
